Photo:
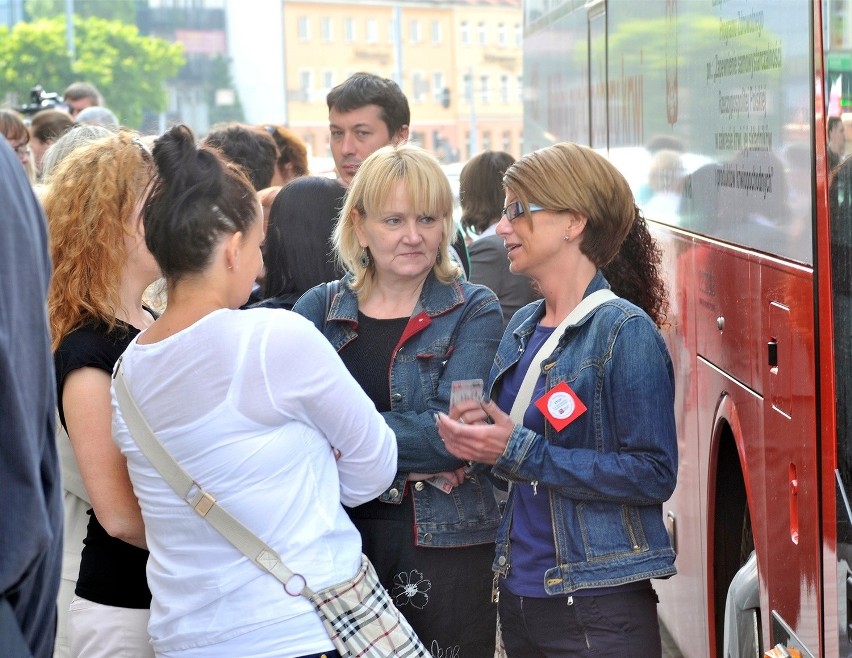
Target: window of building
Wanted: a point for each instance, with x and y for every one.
(468, 88)
(419, 87)
(327, 34)
(504, 88)
(304, 29)
(308, 139)
(436, 33)
(327, 80)
(416, 138)
(306, 83)
(438, 85)
(507, 141)
(414, 31)
(465, 33)
(520, 89)
(349, 29)
(468, 147)
(372, 30)
(501, 34)
(483, 34)
(484, 92)
(518, 35)
(486, 140)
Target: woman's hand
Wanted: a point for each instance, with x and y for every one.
(475, 431)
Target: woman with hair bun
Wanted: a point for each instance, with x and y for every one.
(101, 270)
(580, 418)
(258, 408)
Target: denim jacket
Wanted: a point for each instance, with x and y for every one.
(609, 471)
(452, 335)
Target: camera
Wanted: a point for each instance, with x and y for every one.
(42, 100)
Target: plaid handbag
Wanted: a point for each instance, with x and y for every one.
(358, 614)
(361, 619)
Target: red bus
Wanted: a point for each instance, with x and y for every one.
(716, 112)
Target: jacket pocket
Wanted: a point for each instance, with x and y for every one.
(431, 362)
(609, 530)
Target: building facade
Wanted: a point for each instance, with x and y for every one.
(459, 62)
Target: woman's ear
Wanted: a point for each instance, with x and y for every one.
(232, 250)
(358, 225)
(576, 225)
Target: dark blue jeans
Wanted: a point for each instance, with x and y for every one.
(621, 624)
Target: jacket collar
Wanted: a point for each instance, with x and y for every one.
(528, 325)
(436, 299)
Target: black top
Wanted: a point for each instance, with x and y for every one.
(112, 572)
(368, 357)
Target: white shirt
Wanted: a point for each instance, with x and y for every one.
(250, 403)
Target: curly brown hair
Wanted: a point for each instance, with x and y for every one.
(635, 273)
(616, 239)
(92, 194)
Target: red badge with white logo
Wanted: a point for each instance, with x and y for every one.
(561, 406)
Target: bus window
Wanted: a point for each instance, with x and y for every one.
(598, 112)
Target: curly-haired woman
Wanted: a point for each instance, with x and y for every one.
(101, 270)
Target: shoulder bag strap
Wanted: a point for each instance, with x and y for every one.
(586, 306)
(203, 502)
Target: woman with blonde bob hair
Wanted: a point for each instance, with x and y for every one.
(101, 270)
(407, 326)
(428, 189)
(579, 415)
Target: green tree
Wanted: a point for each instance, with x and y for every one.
(115, 10)
(129, 69)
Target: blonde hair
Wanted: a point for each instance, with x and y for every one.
(375, 181)
(92, 194)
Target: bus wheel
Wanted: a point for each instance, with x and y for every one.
(742, 614)
(733, 550)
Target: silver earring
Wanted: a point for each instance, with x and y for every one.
(438, 258)
(364, 258)
(565, 237)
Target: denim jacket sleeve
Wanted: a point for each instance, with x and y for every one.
(625, 449)
(471, 346)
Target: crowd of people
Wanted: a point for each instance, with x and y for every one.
(303, 362)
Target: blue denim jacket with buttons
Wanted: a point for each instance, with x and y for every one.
(609, 471)
(452, 335)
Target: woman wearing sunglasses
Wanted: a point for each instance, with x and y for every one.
(581, 415)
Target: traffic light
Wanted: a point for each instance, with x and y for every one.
(445, 97)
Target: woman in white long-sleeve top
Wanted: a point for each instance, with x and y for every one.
(258, 408)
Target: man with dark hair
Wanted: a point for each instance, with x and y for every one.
(30, 490)
(836, 142)
(80, 95)
(248, 147)
(365, 113)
